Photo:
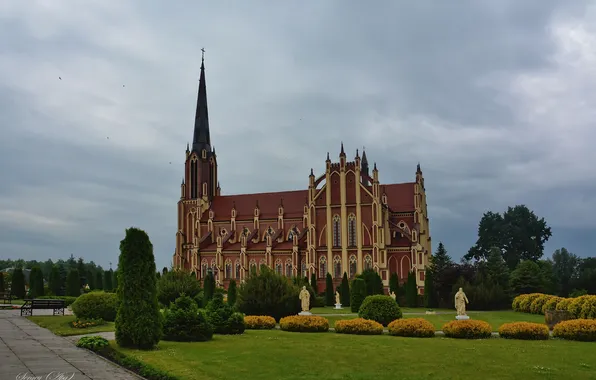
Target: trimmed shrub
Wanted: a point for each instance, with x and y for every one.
(17, 287)
(358, 294)
(73, 283)
(304, 323)
(467, 329)
(551, 304)
(345, 290)
(96, 305)
(577, 329)
(1, 282)
(412, 327)
(36, 282)
(93, 343)
(575, 307)
(220, 313)
(235, 324)
(358, 326)
(379, 308)
(232, 293)
(174, 284)
(184, 322)
(526, 302)
(524, 330)
(564, 304)
(516, 301)
(55, 281)
(139, 321)
(538, 303)
(268, 293)
(329, 291)
(588, 310)
(259, 322)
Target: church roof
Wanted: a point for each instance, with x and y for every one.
(400, 196)
(268, 203)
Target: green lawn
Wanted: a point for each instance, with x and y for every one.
(346, 310)
(59, 325)
(282, 355)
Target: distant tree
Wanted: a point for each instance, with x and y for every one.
(158, 275)
(358, 294)
(107, 280)
(55, 283)
(329, 293)
(586, 277)
(232, 292)
(526, 278)
(91, 280)
(71, 263)
(565, 269)
(115, 279)
(518, 233)
(496, 268)
(313, 283)
(17, 287)
(549, 281)
(374, 284)
(73, 283)
(411, 290)
(36, 282)
(430, 298)
(344, 290)
(138, 321)
(1, 282)
(394, 284)
(99, 280)
(82, 272)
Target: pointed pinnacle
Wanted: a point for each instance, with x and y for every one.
(342, 149)
(328, 157)
(312, 172)
(357, 155)
(375, 166)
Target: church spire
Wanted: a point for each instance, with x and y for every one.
(201, 138)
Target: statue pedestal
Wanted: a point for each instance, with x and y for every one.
(305, 313)
(338, 305)
(462, 317)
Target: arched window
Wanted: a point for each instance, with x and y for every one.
(261, 263)
(289, 268)
(238, 269)
(228, 269)
(204, 269)
(367, 262)
(352, 230)
(322, 267)
(303, 266)
(353, 266)
(336, 231)
(337, 267)
(253, 266)
(278, 268)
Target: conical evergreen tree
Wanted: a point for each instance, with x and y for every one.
(344, 290)
(73, 283)
(394, 284)
(232, 292)
(99, 280)
(36, 282)
(107, 280)
(17, 286)
(411, 291)
(138, 321)
(313, 283)
(208, 288)
(358, 294)
(55, 283)
(430, 297)
(329, 293)
(1, 282)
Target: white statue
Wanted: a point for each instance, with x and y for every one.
(392, 295)
(305, 298)
(337, 298)
(460, 302)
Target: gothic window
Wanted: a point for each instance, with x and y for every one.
(212, 267)
(278, 268)
(253, 267)
(337, 267)
(352, 230)
(303, 265)
(261, 263)
(288, 268)
(336, 231)
(228, 269)
(204, 269)
(367, 262)
(353, 266)
(238, 269)
(322, 267)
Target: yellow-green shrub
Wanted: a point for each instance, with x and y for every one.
(304, 323)
(259, 322)
(564, 304)
(538, 303)
(588, 310)
(517, 300)
(412, 327)
(467, 329)
(358, 326)
(575, 307)
(576, 329)
(526, 302)
(551, 304)
(524, 330)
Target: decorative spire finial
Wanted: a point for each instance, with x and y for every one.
(342, 149)
(328, 159)
(357, 155)
(375, 166)
(312, 172)
(203, 54)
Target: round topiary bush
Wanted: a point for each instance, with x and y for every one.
(380, 308)
(526, 302)
(538, 303)
(564, 304)
(575, 307)
(304, 323)
(235, 324)
(551, 304)
(96, 305)
(583, 330)
(467, 329)
(259, 322)
(412, 327)
(184, 322)
(588, 310)
(524, 330)
(358, 326)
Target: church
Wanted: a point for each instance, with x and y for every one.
(345, 220)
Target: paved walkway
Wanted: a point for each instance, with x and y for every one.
(35, 352)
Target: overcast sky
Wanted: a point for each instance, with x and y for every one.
(495, 98)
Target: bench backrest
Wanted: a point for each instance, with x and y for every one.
(36, 302)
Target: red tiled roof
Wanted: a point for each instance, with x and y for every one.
(400, 196)
(293, 203)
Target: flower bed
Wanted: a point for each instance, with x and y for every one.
(81, 323)
(576, 329)
(524, 330)
(304, 323)
(358, 326)
(259, 322)
(412, 327)
(467, 329)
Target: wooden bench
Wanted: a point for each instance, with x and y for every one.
(42, 304)
(6, 297)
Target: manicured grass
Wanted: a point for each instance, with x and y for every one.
(347, 310)
(59, 325)
(264, 355)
